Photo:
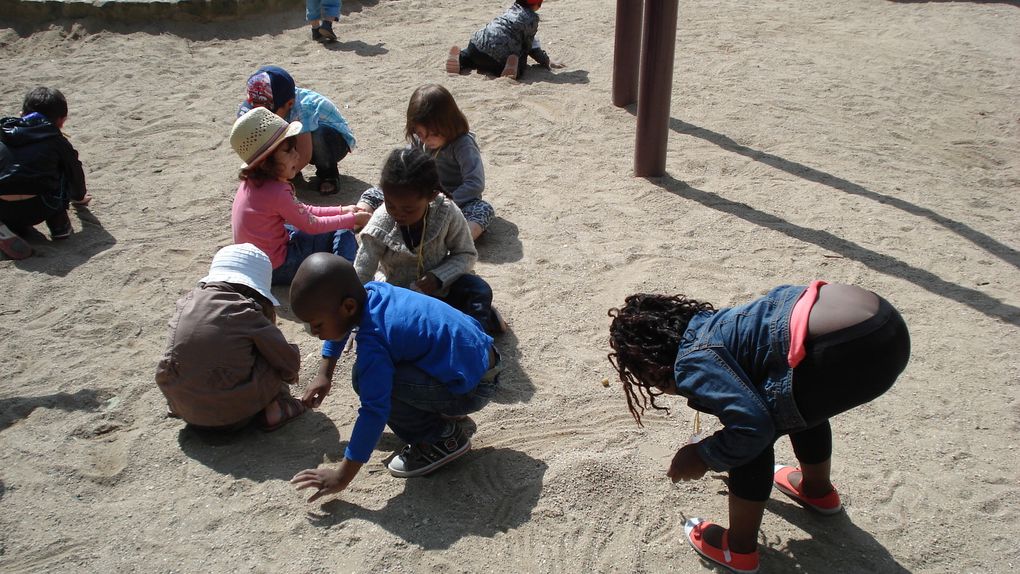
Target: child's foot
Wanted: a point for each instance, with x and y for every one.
(453, 61)
(719, 551)
(12, 245)
(787, 480)
(421, 459)
(510, 68)
(326, 31)
(281, 411)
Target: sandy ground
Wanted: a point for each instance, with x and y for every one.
(866, 141)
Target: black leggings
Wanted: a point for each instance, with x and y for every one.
(471, 58)
(842, 370)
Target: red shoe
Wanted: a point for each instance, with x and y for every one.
(739, 562)
(828, 504)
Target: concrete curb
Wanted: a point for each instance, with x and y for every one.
(136, 10)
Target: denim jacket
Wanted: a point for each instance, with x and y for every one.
(732, 364)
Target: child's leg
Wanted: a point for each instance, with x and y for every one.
(328, 148)
(302, 244)
(813, 449)
(478, 213)
(750, 486)
(313, 12)
(419, 402)
(471, 295)
(471, 58)
(345, 245)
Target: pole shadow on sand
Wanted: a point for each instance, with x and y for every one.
(836, 545)
(989, 244)
(486, 492)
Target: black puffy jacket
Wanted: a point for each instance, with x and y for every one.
(36, 159)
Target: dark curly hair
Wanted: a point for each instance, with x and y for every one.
(645, 335)
(409, 171)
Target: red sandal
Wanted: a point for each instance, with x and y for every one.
(828, 504)
(739, 562)
(290, 409)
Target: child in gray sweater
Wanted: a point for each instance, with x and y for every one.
(421, 241)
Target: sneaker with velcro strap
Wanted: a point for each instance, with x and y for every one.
(424, 458)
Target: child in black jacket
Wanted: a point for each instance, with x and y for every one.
(40, 174)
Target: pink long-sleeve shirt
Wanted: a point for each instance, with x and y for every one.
(259, 212)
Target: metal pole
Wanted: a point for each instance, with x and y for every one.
(656, 87)
(626, 53)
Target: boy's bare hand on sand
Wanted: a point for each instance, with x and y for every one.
(687, 464)
(326, 481)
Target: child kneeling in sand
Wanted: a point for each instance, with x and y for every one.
(422, 367)
(782, 365)
(226, 363)
(40, 174)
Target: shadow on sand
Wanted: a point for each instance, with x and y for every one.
(836, 545)
(485, 492)
(61, 257)
(260, 456)
(16, 408)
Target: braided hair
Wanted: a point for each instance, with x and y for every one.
(645, 335)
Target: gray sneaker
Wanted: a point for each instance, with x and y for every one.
(421, 459)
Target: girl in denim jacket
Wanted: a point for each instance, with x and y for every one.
(781, 365)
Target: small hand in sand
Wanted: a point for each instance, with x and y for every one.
(687, 464)
(316, 392)
(326, 481)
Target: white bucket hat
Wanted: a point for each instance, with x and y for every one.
(245, 264)
(257, 133)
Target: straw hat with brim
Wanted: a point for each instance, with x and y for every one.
(244, 264)
(257, 133)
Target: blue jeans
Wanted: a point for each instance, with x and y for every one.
(328, 148)
(301, 245)
(471, 295)
(419, 401)
(319, 9)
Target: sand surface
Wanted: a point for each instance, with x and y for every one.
(865, 141)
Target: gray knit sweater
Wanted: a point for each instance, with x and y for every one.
(447, 249)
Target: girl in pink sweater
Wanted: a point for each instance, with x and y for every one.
(267, 214)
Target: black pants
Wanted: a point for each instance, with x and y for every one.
(842, 370)
(471, 58)
(20, 215)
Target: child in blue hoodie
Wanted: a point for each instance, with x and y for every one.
(40, 174)
(422, 367)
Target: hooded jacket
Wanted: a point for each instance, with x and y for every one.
(36, 159)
